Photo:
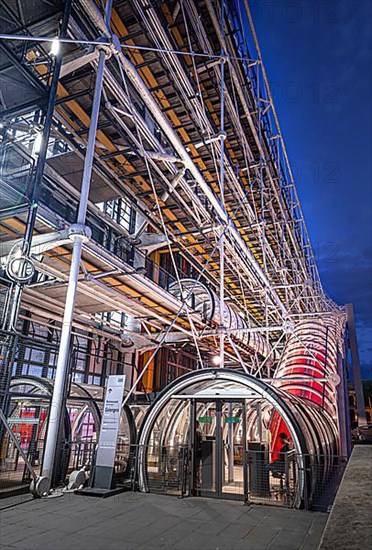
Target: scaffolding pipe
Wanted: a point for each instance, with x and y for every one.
(248, 115)
(235, 237)
(37, 177)
(62, 364)
(189, 164)
(222, 199)
(16, 296)
(177, 144)
(267, 86)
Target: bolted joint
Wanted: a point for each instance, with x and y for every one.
(126, 341)
(79, 231)
(334, 379)
(105, 47)
(288, 327)
(113, 48)
(115, 44)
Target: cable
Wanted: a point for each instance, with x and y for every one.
(165, 231)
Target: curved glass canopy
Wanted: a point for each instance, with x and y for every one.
(30, 402)
(239, 417)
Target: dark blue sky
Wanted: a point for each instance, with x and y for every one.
(319, 62)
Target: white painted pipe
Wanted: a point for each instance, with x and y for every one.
(136, 80)
(55, 415)
(189, 164)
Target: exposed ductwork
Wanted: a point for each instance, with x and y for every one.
(309, 365)
(232, 233)
(206, 302)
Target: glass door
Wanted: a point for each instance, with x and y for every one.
(233, 449)
(205, 448)
(218, 439)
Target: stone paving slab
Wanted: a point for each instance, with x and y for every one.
(350, 522)
(135, 521)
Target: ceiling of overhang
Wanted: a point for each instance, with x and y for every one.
(71, 167)
(19, 86)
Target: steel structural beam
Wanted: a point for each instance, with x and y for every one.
(62, 363)
(355, 364)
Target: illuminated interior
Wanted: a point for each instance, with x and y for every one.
(167, 426)
(30, 404)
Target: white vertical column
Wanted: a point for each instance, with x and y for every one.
(230, 431)
(343, 409)
(55, 414)
(222, 197)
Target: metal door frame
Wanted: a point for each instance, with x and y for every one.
(218, 466)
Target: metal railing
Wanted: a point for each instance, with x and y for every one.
(19, 459)
(81, 453)
(15, 472)
(308, 481)
(324, 474)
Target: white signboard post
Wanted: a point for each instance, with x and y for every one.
(109, 432)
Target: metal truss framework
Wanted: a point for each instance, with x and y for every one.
(270, 270)
(188, 140)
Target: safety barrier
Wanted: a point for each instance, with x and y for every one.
(15, 471)
(257, 479)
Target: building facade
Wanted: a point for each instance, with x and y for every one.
(151, 228)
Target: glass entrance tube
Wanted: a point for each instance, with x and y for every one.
(231, 411)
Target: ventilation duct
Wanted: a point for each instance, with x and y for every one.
(207, 304)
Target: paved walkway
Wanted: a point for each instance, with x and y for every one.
(350, 523)
(135, 521)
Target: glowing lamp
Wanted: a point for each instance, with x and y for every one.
(54, 50)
